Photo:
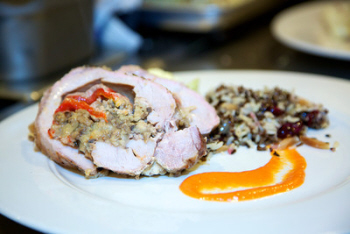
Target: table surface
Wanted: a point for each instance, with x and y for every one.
(248, 46)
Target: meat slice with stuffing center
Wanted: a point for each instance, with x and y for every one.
(98, 120)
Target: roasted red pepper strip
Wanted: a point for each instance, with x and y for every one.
(70, 104)
(75, 102)
(98, 93)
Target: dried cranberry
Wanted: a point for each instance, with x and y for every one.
(272, 107)
(290, 129)
(312, 119)
(276, 111)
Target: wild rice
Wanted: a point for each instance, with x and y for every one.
(262, 117)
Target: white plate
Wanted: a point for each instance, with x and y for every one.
(42, 195)
(300, 27)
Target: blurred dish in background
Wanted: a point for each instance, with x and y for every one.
(335, 19)
(201, 16)
(40, 40)
(111, 34)
(40, 37)
(321, 28)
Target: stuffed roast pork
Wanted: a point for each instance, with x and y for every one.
(126, 121)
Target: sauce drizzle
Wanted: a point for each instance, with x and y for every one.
(259, 182)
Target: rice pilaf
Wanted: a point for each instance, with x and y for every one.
(259, 118)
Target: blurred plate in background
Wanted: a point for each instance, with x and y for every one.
(302, 27)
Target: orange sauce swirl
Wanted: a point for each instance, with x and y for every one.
(259, 183)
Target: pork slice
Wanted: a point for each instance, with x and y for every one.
(81, 79)
(51, 100)
(131, 160)
(179, 150)
(203, 116)
(162, 101)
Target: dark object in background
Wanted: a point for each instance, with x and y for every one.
(202, 16)
(40, 37)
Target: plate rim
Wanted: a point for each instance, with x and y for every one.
(250, 72)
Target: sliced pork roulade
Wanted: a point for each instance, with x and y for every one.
(201, 113)
(96, 120)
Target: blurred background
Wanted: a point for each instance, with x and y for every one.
(40, 40)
